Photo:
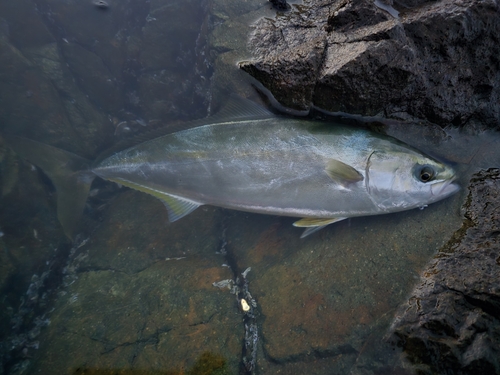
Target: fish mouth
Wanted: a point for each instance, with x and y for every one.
(444, 189)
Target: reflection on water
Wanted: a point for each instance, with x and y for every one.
(137, 294)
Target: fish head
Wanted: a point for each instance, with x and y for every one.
(400, 179)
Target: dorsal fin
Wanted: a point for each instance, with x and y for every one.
(235, 108)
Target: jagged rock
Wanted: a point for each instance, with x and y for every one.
(451, 323)
(437, 61)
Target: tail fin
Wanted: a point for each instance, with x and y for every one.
(68, 172)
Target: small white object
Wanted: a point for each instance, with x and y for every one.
(244, 305)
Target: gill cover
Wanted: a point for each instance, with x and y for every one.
(403, 180)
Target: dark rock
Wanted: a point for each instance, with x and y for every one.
(354, 15)
(452, 321)
(437, 61)
(93, 77)
(39, 97)
(23, 25)
(175, 72)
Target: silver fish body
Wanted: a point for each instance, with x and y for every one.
(282, 166)
(256, 162)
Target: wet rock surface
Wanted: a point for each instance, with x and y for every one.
(438, 61)
(325, 302)
(141, 297)
(33, 255)
(40, 98)
(451, 323)
(71, 76)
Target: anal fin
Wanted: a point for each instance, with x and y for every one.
(178, 207)
(315, 224)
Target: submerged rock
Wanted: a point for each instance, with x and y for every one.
(451, 322)
(437, 61)
(326, 301)
(139, 295)
(93, 77)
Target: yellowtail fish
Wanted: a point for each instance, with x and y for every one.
(251, 160)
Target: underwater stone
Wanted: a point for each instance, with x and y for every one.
(452, 319)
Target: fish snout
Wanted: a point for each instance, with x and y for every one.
(444, 189)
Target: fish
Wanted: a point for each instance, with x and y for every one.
(249, 159)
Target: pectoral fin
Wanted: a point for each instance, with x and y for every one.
(342, 173)
(314, 224)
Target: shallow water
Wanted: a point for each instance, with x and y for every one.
(135, 294)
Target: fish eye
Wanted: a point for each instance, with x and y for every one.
(426, 174)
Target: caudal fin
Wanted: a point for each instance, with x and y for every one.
(68, 172)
